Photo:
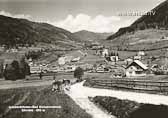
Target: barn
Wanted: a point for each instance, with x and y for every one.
(136, 69)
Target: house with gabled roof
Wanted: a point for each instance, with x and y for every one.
(136, 69)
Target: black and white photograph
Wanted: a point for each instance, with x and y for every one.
(83, 58)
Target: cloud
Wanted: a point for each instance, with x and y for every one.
(79, 22)
(99, 23)
(15, 16)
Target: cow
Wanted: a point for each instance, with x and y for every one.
(57, 86)
(60, 85)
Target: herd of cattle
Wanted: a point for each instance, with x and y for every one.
(60, 85)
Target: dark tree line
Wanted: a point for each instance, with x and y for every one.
(33, 54)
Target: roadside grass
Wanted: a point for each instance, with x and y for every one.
(39, 96)
(130, 109)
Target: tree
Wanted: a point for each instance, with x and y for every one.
(16, 70)
(15, 65)
(12, 71)
(9, 72)
(78, 73)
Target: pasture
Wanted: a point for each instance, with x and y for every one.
(38, 96)
(149, 84)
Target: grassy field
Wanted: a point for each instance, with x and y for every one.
(149, 84)
(141, 40)
(103, 76)
(38, 96)
(130, 109)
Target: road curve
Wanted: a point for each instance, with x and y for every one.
(80, 94)
(81, 98)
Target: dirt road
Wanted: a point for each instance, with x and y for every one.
(24, 83)
(80, 95)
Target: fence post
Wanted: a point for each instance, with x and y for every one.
(160, 87)
(146, 84)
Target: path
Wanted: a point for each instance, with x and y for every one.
(81, 98)
(24, 83)
(80, 95)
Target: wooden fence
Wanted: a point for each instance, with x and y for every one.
(150, 86)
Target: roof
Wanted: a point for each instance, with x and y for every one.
(140, 64)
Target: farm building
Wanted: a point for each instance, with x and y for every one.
(105, 53)
(61, 61)
(137, 57)
(35, 69)
(136, 69)
(70, 68)
(114, 58)
(76, 59)
(141, 53)
(65, 59)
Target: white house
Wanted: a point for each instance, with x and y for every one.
(35, 69)
(61, 61)
(114, 58)
(105, 52)
(137, 57)
(141, 53)
(76, 59)
(136, 69)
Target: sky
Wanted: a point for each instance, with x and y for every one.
(75, 15)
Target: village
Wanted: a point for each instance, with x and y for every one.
(83, 59)
(95, 58)
(99, 59)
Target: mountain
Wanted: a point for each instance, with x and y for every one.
(89, 36)
(146, 33)
(21, 31)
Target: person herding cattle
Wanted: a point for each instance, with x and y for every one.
(40, 75)
(67, 84)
